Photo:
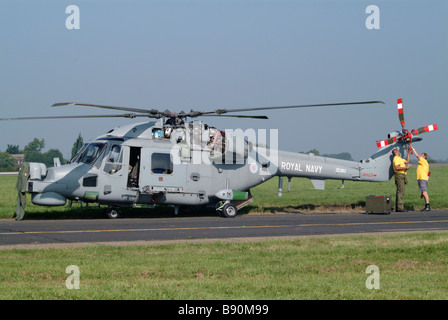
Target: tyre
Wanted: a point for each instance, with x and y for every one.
(229, 210)
(112, 213)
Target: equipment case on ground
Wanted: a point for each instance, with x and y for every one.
(378, 204)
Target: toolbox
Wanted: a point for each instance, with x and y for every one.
(378, 204)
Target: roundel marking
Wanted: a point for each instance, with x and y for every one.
(253, 167)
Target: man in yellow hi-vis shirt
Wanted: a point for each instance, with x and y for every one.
(422, 176)
(400, 166)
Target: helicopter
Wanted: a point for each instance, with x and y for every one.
(170, 161)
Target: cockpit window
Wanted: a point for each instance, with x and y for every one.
(91, 153)
(114, 160)
(114, 154)
(79, 153)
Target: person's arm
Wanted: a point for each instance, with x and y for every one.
(415, 152)
(408, 158)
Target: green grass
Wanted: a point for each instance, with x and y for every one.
(8, 201)
(412, 266)
(302, 198)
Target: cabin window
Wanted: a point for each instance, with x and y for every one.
(161, 163)
(90, 181)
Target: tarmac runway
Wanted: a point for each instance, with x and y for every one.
(59, 233)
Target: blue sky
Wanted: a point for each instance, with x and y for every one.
(208, 54)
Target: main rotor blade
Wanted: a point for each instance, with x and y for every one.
(221, 111)
(400, 112)
(126, 115)
(158, 114)
(153, 112)
(234, 116)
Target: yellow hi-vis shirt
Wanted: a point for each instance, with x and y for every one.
(400, 162)
(422, 169)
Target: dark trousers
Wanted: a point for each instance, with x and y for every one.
(400, 181)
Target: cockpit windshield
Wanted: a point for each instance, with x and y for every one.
(91, 153)
(79, 153)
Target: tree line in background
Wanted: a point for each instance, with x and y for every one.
(33, 152)
(342, 155)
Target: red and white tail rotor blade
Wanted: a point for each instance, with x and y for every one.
(400, 112)
(421, 130)
(386, 142)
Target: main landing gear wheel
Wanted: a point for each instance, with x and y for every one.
(229, 210)
(112, 213)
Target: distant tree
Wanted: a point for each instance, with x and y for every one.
(342, 155)
(33, 153)
(77, 145)
(314, 151)
(13, 149)
(32, 150)
(33, 156)
(6, 160)
(35, 145)
(48, 157)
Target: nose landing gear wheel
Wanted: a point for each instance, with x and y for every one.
(229, 210)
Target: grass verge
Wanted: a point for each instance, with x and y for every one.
(411, 266)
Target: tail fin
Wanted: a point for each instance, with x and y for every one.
(379, 166)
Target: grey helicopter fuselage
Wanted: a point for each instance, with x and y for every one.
(142, 164)
(184, 164)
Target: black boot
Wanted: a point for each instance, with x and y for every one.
(427, 208)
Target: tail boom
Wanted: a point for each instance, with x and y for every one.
(377, 168)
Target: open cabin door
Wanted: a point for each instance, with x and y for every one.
(134, 167)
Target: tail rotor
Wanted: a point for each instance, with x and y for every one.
(405, 135)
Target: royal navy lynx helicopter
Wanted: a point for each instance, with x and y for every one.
(174, 162)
